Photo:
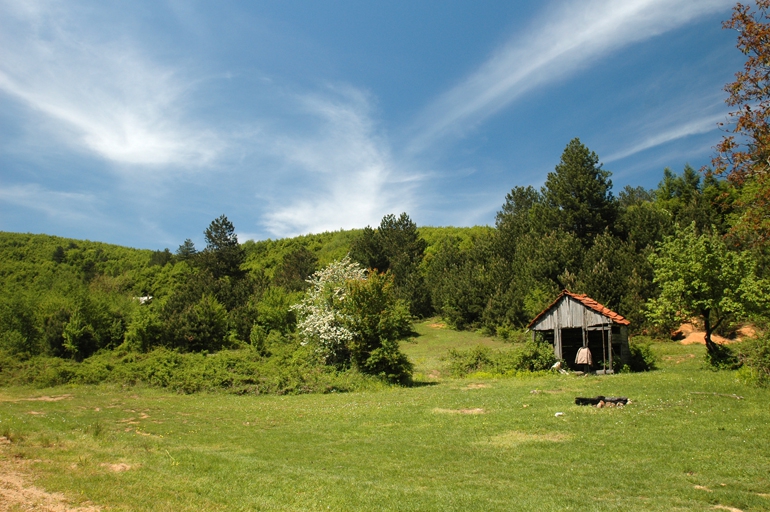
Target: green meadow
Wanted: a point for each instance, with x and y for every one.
(692, 439)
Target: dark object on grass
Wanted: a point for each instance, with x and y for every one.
(595, 400)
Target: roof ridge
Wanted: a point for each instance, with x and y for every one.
(587, 302)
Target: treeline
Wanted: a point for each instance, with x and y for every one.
(71, 299)
(575, 234)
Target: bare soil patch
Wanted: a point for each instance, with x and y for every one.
(438, 410)
(16, 492)
(679, 359)
(437, 325)
(515, 437)
(690, 334)
(477, 386)
(44, 398)
(117, 468)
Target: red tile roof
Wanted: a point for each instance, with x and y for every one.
(587, 302)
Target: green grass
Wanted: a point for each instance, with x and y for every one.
(678, 446)
(434, 341)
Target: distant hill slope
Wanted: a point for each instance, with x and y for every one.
(43, 263)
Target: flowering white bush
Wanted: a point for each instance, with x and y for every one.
(322, 320)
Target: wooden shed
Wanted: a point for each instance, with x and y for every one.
(573, 321)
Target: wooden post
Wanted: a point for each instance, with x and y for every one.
(557, 335)
(604, 351)
(609, 341)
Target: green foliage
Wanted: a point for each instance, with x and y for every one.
(295, 268)
(145, 330)
(457, 279)
(643, 358)
(463, 362)
(274, 311)
(186, 251)
(532, 356)
(292, 370)
(377, 320)
(699, 276)
(396, 246)
(223, 255)
(755, 356)
(578, 193)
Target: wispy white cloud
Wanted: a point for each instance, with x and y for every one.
(553, 48)
(341, 170)
(63, 206)
(103, 96)
(703, 124)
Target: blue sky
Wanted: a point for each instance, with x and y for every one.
(139, 122)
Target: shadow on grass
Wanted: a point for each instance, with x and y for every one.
(420, 384)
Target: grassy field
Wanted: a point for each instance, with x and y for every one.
(692, 439)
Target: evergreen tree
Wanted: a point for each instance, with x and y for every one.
(186, 251)
(223, 255)
(396, 246)
(579, 193)
(294, 270)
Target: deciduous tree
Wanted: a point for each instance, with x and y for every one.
(744, 154)
(699, 277)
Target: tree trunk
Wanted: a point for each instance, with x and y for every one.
(711, 347)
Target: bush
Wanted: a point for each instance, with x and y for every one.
(755, 356)
(463, 362)
(643, 359)
(290, 369)
(530, 357)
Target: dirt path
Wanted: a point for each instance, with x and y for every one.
(16, 492)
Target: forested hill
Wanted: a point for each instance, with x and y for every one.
(48, 281)
(71, 298)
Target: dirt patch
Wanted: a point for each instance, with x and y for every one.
(690, 334)
(437, 325)
(35, 413)
(47, 398)
(117, 468)
(434, 374)
(438, 410)
(16, 493)
(725, 507)
(44, 398)
(516, 437)
(702, 488)
(549, 391)
(699, 338)
(477, 386)
(679, 359)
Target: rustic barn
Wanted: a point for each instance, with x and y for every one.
(574, 321)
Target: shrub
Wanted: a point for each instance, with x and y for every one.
(643, 359)
(463, 362)
(755, 356)
(530, 357)
(290, 369)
